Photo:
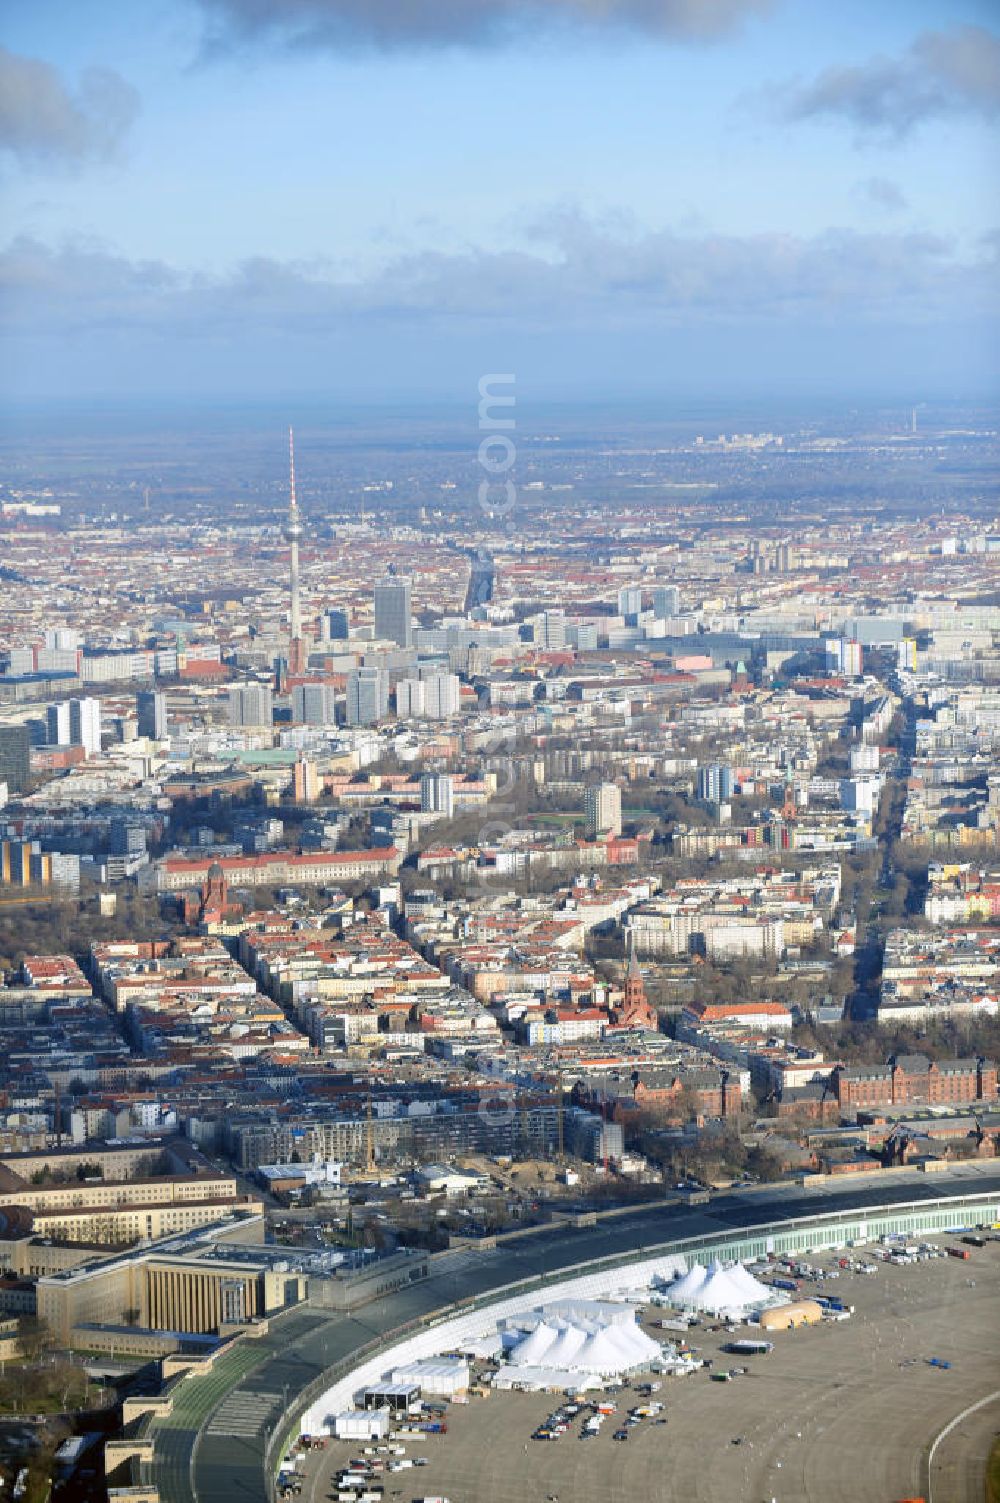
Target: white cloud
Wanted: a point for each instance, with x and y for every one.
(578, 277)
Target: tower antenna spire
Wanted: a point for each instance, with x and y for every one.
(293, 532)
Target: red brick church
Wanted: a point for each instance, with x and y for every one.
(211, 904)
(635, 1011)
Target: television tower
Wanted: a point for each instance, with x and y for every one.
(293, 532)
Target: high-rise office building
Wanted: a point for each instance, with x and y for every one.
(844, 655)
(441, 696)
(313, 704)
(57, 727)
(251, 704)
(338, 626)
(393, 616)
(15, 860)
(62, 639)
(437, 794)
(716, 783)
(666, 602)
(15, 757)
(630, 603)
(864, 757)
(550, 631)
(367, 696)
(63, 870)
(411, 698)
(56, 660)
(860, 795)
(21, 660)
(127, 838)
(603, 810)
(583, 636)
(85, 725)
(305, 781)
(151, 711)
(24, 863)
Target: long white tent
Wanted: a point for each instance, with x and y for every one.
(719, 1290)
(474, 1326)
(545, 1379)
(595, 1345)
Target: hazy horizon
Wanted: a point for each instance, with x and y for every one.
(224, 199)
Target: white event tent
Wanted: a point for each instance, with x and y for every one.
(574, 1345)
(719, 1290)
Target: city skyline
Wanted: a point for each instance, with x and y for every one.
(641, 857)
(499, 750)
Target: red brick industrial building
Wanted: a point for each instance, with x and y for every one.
(915, 1078)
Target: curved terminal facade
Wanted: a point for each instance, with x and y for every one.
(229, 1424)
(637, 1271)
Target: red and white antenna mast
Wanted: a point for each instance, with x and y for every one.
(293, 532)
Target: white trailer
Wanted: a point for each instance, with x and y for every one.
(362, 1424)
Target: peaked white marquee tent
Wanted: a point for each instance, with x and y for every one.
(720, 1291)
(594, 1343)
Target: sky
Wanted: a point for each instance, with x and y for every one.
(385, 199)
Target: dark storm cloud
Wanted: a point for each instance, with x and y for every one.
(579, 278)
(941, 73)
(43, 120)
(438, 23)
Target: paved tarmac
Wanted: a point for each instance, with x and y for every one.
(197, 1460)
(839, 1413)
(958, 1469)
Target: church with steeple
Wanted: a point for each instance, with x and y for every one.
(210, 908)
(635, 1010)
